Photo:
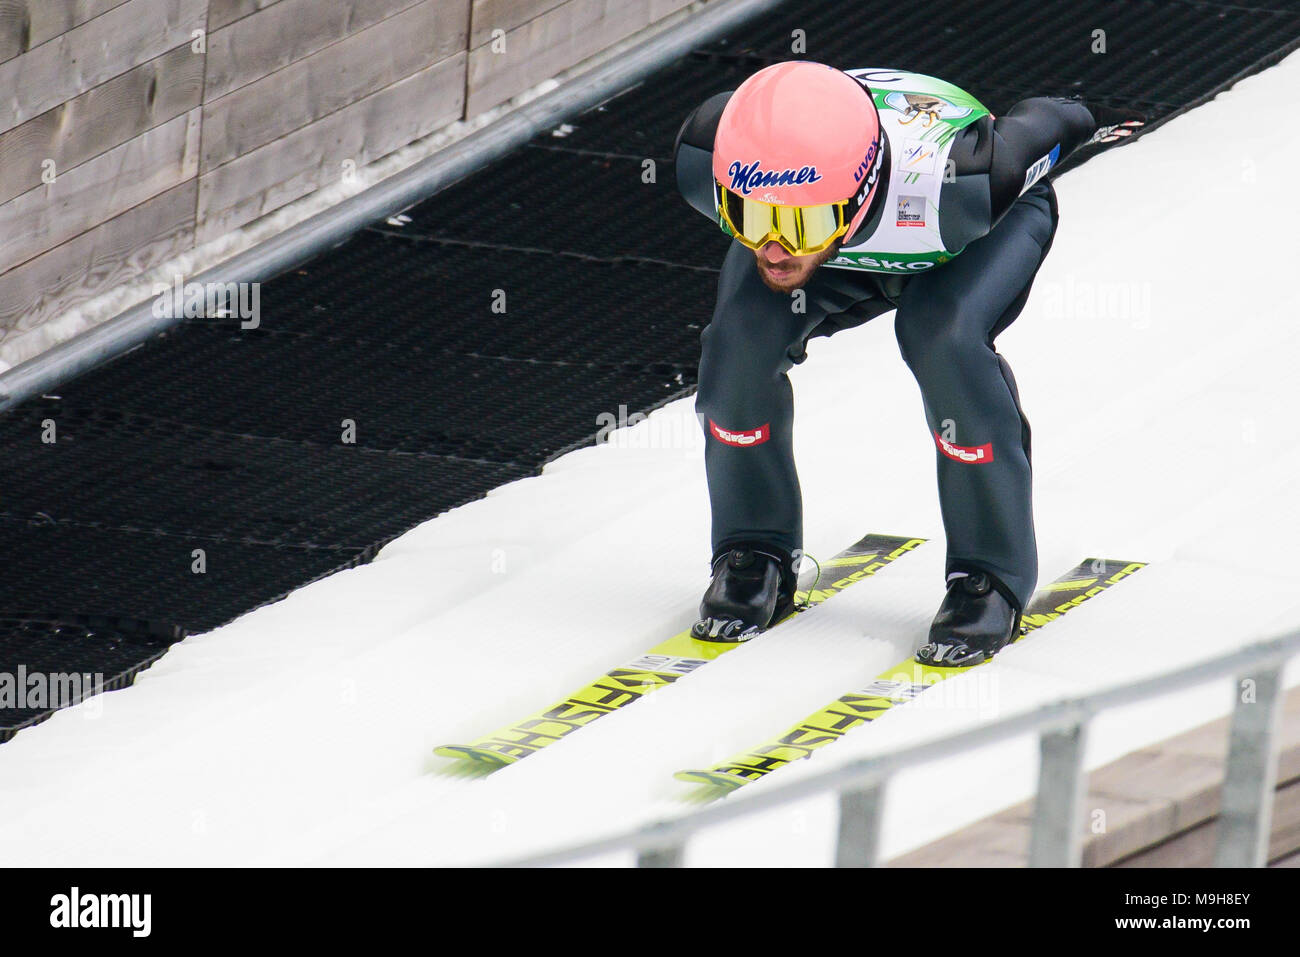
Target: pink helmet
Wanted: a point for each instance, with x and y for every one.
(801, 134)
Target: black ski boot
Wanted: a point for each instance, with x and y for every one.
(977, 619)
(752, 587)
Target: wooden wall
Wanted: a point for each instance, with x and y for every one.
(133, 130)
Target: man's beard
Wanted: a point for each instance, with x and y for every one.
(799, 278)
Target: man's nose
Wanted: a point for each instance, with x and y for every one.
(774, 252)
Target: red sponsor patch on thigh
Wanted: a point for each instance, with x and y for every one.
(970, 454)
(753, 437)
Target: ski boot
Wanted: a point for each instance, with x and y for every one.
(977, 619)
(753, 587)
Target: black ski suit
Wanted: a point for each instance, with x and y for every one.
(947, 321)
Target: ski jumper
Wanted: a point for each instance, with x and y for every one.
(963, 221)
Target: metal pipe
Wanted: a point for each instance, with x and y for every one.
(1056, 839)
(668, 855)
(1250, 773)
(861, 809)
(301, 242)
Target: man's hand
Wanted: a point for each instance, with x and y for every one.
(1114, 125)
(1113, 134)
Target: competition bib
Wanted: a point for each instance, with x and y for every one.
(920, 115)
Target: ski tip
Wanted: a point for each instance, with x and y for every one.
(479, 756)
(717, 779)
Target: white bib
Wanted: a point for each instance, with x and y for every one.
(920, 115)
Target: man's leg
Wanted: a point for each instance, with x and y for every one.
(746, 406)
(746, 403)
(946, 323)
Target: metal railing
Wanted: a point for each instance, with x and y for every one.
(1246, 804)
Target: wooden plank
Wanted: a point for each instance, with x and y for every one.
(329, 80)
(991, 842)
(1188, 783)
(126, 36)
(1284, 834)
(222, 13)
(1004, 837)
(25, 24)
(100, 119)
(1195, 847)
(547, 45)
(285, 33)
(309, 158)
(100, 189)
(1129, 825)
(489, 15)
(98, 260)
(662, 8)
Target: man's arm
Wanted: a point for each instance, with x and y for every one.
(1031, 138)
(693, 154)
(995, 161)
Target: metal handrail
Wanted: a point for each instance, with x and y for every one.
(1245, 811)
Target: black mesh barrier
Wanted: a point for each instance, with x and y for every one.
(533, 209)
(434, 357)
(89, 654)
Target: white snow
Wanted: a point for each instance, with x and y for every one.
(1156, 361)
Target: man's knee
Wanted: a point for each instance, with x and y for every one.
(938, 341)
(738, 350)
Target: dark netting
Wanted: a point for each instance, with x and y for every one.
(229, 441)
(533, 207)
(1162, 56)
(172, 478)
(90, 654)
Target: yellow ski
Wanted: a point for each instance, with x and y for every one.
(900, 684)
(663, 664)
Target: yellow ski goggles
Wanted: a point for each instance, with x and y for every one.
(802, 230)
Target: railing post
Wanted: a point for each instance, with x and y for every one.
(1057, 839)
(670, 855)
(658, 850)
(859, 835)
(1250, 772)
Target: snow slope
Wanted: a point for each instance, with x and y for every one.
(1156, 360)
